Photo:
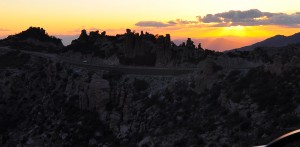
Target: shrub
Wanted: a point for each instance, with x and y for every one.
(112, 75)
(140, 85)
(13, 59)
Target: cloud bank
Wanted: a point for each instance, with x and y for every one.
(252, 17)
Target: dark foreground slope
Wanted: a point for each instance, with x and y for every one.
(49, 103)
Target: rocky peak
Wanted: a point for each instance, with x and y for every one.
(128, 31)
(94, 35)
(103, 34)
(200, 46)
(35, 33)
(33, 38)
(190, 43)
(83, 36)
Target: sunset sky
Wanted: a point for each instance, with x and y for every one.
(231, 23)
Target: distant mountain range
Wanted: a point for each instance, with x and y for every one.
(275, 41)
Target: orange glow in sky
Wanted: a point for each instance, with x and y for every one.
(68, 17)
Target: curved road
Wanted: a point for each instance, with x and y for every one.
(138, 70)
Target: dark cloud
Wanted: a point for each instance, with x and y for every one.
(253, 17)
(154, 24)
(285, 19)
(172, 22)
(210, 18)
(240, 15)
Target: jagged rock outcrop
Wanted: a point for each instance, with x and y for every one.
(34, 38)
(133, 48)
(88, 44)
(190, 43)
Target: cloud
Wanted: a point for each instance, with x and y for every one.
(177, 22)
(209, 18)
(253, 17)
(154, 24)
(186, 22)
(285, 19)
(78, 30)
(172, 22)
(94, 29)
(4, 30)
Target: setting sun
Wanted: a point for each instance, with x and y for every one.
(235, 30)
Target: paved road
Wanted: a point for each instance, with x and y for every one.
(138, 70)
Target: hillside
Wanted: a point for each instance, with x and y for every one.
(275, 41)
(238, 99)
(34, 38)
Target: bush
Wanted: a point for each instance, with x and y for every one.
(140, 85)
(13, 59)
(112, 75)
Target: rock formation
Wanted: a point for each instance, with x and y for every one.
(230, 99)
(34, 38)
(190, 43)
(135, 49)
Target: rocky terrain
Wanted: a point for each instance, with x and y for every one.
(234, 99)
(132, 48)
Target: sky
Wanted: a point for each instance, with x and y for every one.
(217, 24)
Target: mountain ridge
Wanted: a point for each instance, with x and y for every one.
(275, 41)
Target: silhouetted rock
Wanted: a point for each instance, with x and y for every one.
(190, 43)
(34, 38)
(136, 49)
(89, 44)
(182, 44)
(83, 36)
(199, 46)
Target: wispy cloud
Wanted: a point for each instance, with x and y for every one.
(177, 22)
(186, 22)
(78, 30)
(4, 30)
(155, 24)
